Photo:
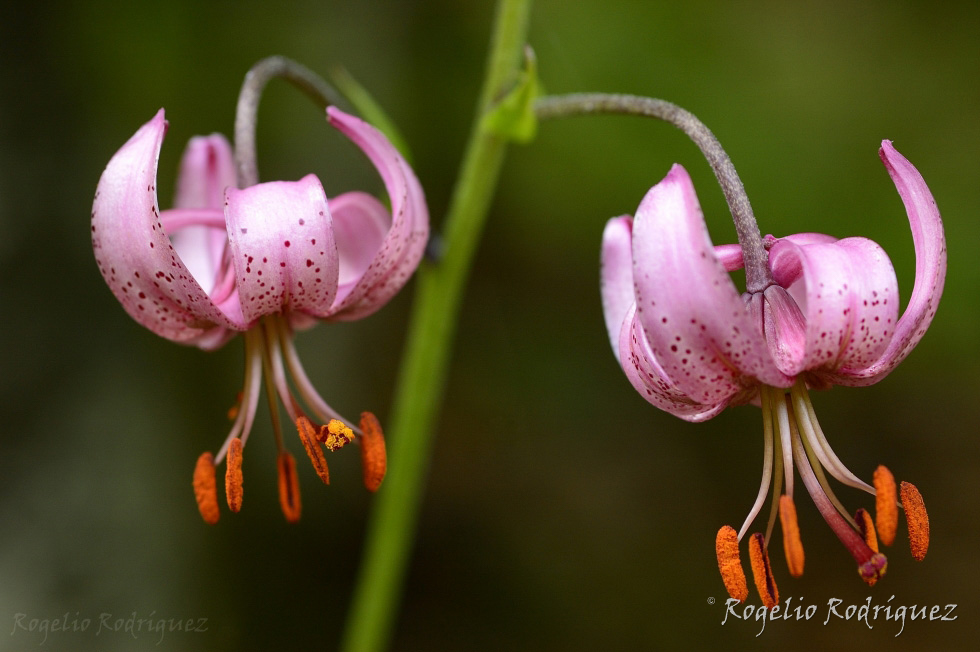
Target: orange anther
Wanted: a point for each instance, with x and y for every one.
(730, 564)
(335, 435)
(205, 489)
(792, 545)
(917, 520)
(308, 435)
(886, 505)
(288, 487)
(765, 583)
(374, 458)
(233, 475)
(867, 528)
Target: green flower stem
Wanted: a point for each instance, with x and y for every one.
(246, 113)
(439, 288)
(757, 275)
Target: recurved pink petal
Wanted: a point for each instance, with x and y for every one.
(787, 268)
(283, 248)
(206, 169)
(695, 321)
(730, 257)
(785, 328)
(849, 294)
(930, 269)
(360, 223)
(805, 238)
(135, 254)
(616, 275)
(402, 248)
(648, 377)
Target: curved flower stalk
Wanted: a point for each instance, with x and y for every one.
(266, 260)
(692, 346)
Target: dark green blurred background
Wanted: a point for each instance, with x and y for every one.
(563, 512)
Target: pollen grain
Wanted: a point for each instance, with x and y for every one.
(335, 435)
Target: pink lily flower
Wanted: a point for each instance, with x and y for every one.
(827, 314)
(266, 260)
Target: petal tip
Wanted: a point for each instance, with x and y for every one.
(335, 116)
(160, 121)
(887, 149)
(677, 183)
(677, 173)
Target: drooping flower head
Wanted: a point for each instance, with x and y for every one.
(825, 312)
(265, 260)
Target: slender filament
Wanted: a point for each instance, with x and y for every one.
(777, 473)
(785, 435)
(270, 395)
(822, 478)
(303, 385)
(278, 374)
(871, 565)
(250, 393)
(808, 419)
(766, 463)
